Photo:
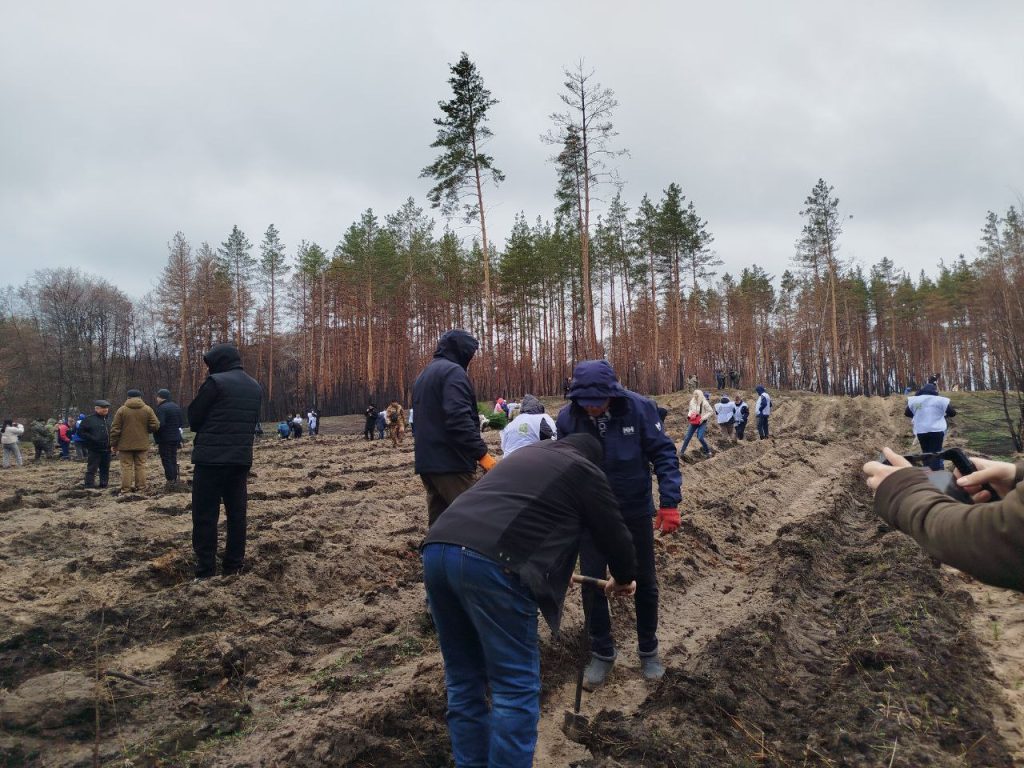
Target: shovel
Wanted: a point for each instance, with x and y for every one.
(575, 725)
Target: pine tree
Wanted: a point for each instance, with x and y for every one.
(273, 268)
(462, 169)
(236, 261)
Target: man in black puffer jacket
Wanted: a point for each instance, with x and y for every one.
(448, 445)
(223, 417)
(168, 437)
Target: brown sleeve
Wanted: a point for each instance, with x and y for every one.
(154, 422)
(115, 428)
(983, 540)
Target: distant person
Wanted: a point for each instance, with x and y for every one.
(284, 430)
(501, 554)
(929, 411)
(168, 436)
(381, 424)
(412, 431)
(763, 409)
(41, 440)
(222, 416)
(633, 437)
(394, 415)
(984, 539)
(313, 419)
(76, 440)
(742, 411)
(94, 432)
(10, 435)
(734, 377)
(133, 423)
(725, 416)
(720, 378)
(64, 439)
(257, 431)
(691, 381)
(698, 412)
(448, 446)
(296, 426)
(371, 418)
(531, 426)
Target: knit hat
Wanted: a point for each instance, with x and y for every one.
(164, 394)
(134, 393)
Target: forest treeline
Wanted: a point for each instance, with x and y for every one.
(339, 323)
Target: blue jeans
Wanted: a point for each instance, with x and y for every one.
(487, 626)
(699, 430)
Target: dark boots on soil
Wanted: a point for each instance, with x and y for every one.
(596, 673)
(651, 667)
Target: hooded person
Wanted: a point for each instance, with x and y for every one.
(531, 426)
(133, 423)
(223, 416)
(447, 444)
(929, 411)
(502, 553)
(698, 412)
(763, 409)
(633, 437)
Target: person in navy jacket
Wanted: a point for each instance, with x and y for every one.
(633, 438)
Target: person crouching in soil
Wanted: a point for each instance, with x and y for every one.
(984, 539)
(725, 415)
(502, 551)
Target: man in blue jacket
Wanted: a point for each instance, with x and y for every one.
(447, 445)
(634, 438)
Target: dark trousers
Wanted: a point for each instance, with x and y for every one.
(210, 486)
(762, 427)
(64, 450)
(97, 461)
(931, 442)
(741, 427)
(593, 563)
(169, 458)
(443, 489)
(368, 428)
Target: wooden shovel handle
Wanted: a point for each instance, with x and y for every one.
(590, 580)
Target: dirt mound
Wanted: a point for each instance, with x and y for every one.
(796, 631)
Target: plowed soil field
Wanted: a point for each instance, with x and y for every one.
(797, 630)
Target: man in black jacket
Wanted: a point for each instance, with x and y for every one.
(94, 434)
(502, 551)
(448, 446)
(223, 416)
(168, 437)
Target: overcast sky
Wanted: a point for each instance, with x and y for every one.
(123, 122)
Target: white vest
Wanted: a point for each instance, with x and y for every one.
(929, 413)
(725, 411)
(524, 430)
(740, 418)
(767, 404)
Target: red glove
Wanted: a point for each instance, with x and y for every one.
(667, 520)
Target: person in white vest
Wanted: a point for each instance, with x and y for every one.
(742, 414)
(929, 410)
(531, 426)
(763, 409)
(725, 415)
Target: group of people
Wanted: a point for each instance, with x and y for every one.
(392, 422)
(292, 426)
(731, 416)
(45, 436)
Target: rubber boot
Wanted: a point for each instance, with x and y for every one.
(596, 673)
(651, 667)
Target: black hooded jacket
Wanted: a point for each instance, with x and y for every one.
(171, 421)
(225, 410)
(529, 512)
(447, 427)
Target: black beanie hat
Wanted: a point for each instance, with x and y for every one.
(134, 393)
(164, 394)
